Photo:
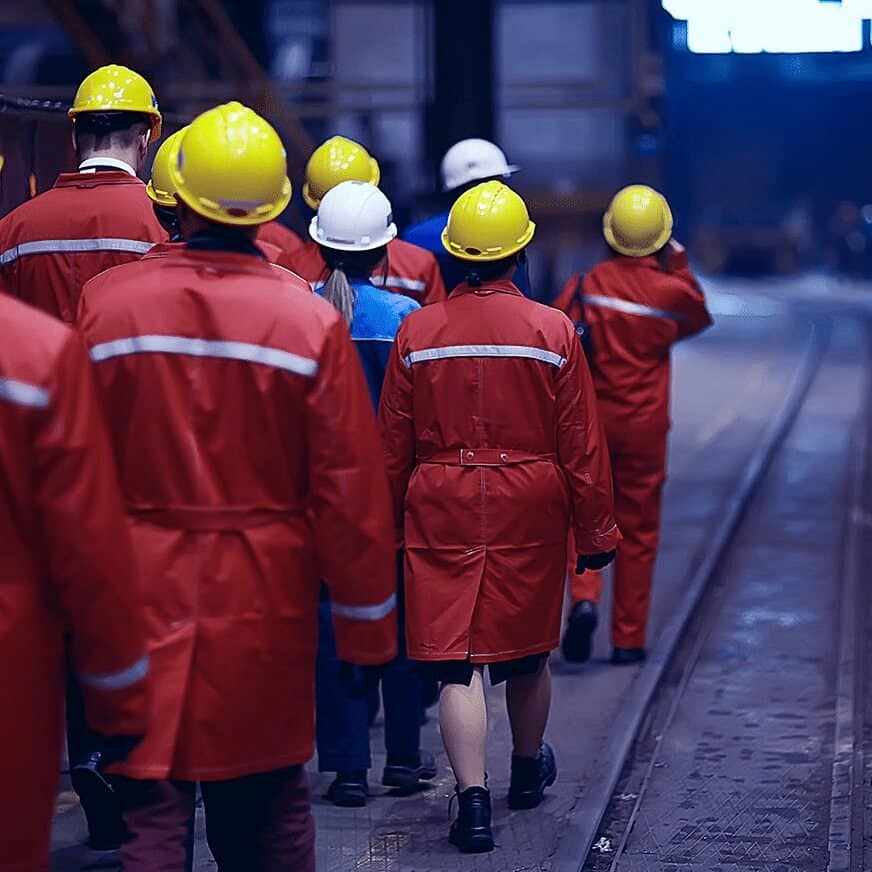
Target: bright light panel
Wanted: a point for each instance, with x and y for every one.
(777, 26)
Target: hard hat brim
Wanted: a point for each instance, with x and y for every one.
(338, 245)
(162, 198)
(509, 170)
(488, 256)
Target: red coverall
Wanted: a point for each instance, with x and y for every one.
(51, 245)
(636, 311)
(275, 233)
(408, 269)
(66, 564)
(251, 467)
(494, 450)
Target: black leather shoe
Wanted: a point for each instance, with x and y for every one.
(579, 632)
(100, 804)
(471, 831)
(349, 789)
(530, 777)
(407, 777)
(628, 656)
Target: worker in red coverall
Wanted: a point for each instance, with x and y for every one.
(632, 308)
(407, 269)
(251, 468)
(494, 450)
(66, 565)
(95, 218)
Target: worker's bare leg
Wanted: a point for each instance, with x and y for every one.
(463, 722)
(528, 700)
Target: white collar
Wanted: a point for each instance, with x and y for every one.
(90, 165)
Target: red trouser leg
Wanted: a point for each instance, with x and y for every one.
(639, 473)
(261, 823)
(159, 819)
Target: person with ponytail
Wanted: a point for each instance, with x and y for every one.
(352, 228)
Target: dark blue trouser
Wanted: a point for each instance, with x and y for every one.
(342, 721)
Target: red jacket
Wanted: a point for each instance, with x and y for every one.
(636, 312)
(408, 270)
(51, 245)
(66, 563)
(251, 466)
(275, 233)
(493, 449)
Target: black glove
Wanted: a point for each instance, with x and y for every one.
(358, 681)
(594, 561)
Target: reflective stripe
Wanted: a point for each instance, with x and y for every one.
(365, 613)
(541, 354)
(117, 680)
(54, 246)
(381, 281)
(205, 348)
(397, 282)
(22, 394)
(631, 308)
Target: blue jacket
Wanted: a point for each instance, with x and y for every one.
(377, 318)
(428, 234)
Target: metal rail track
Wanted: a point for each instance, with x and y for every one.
(584, 823)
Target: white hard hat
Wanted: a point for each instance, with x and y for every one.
(353, 216)
(471, 160)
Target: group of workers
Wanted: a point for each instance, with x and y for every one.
(251, 482)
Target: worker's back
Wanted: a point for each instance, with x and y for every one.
(247, 450)
(88, 222)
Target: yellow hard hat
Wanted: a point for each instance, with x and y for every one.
(114, 88)
(487, 222)
(160, 187)
(230, 167)
(334, 161)
(638, 221)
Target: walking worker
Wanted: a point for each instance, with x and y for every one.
(251, 469)
(466, 164)
(407, 269)
(494, 449)
(66, 564)
(353, 227)
(97, 217)
(635, 305)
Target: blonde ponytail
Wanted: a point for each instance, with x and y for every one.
(340, 294)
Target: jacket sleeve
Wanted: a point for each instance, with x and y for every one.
(690, 302)
(88, 551)
(349, 505)
(396, 422)
(435, 290)
(565, 300)
(583, 454)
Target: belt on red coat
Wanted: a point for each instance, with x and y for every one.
(486, 457)
(212, 519)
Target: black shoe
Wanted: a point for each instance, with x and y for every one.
(349, 789)
(407, 777)
(471, 831)
(628, 656)
(579, 632)
(100, 804)
(530, 777)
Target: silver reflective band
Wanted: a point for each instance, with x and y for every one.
(55, 246)
(117, 680)
(22, 394)
(205, 348)
(365, 613)
(631, 308)
(397, 282)
(527, 351)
